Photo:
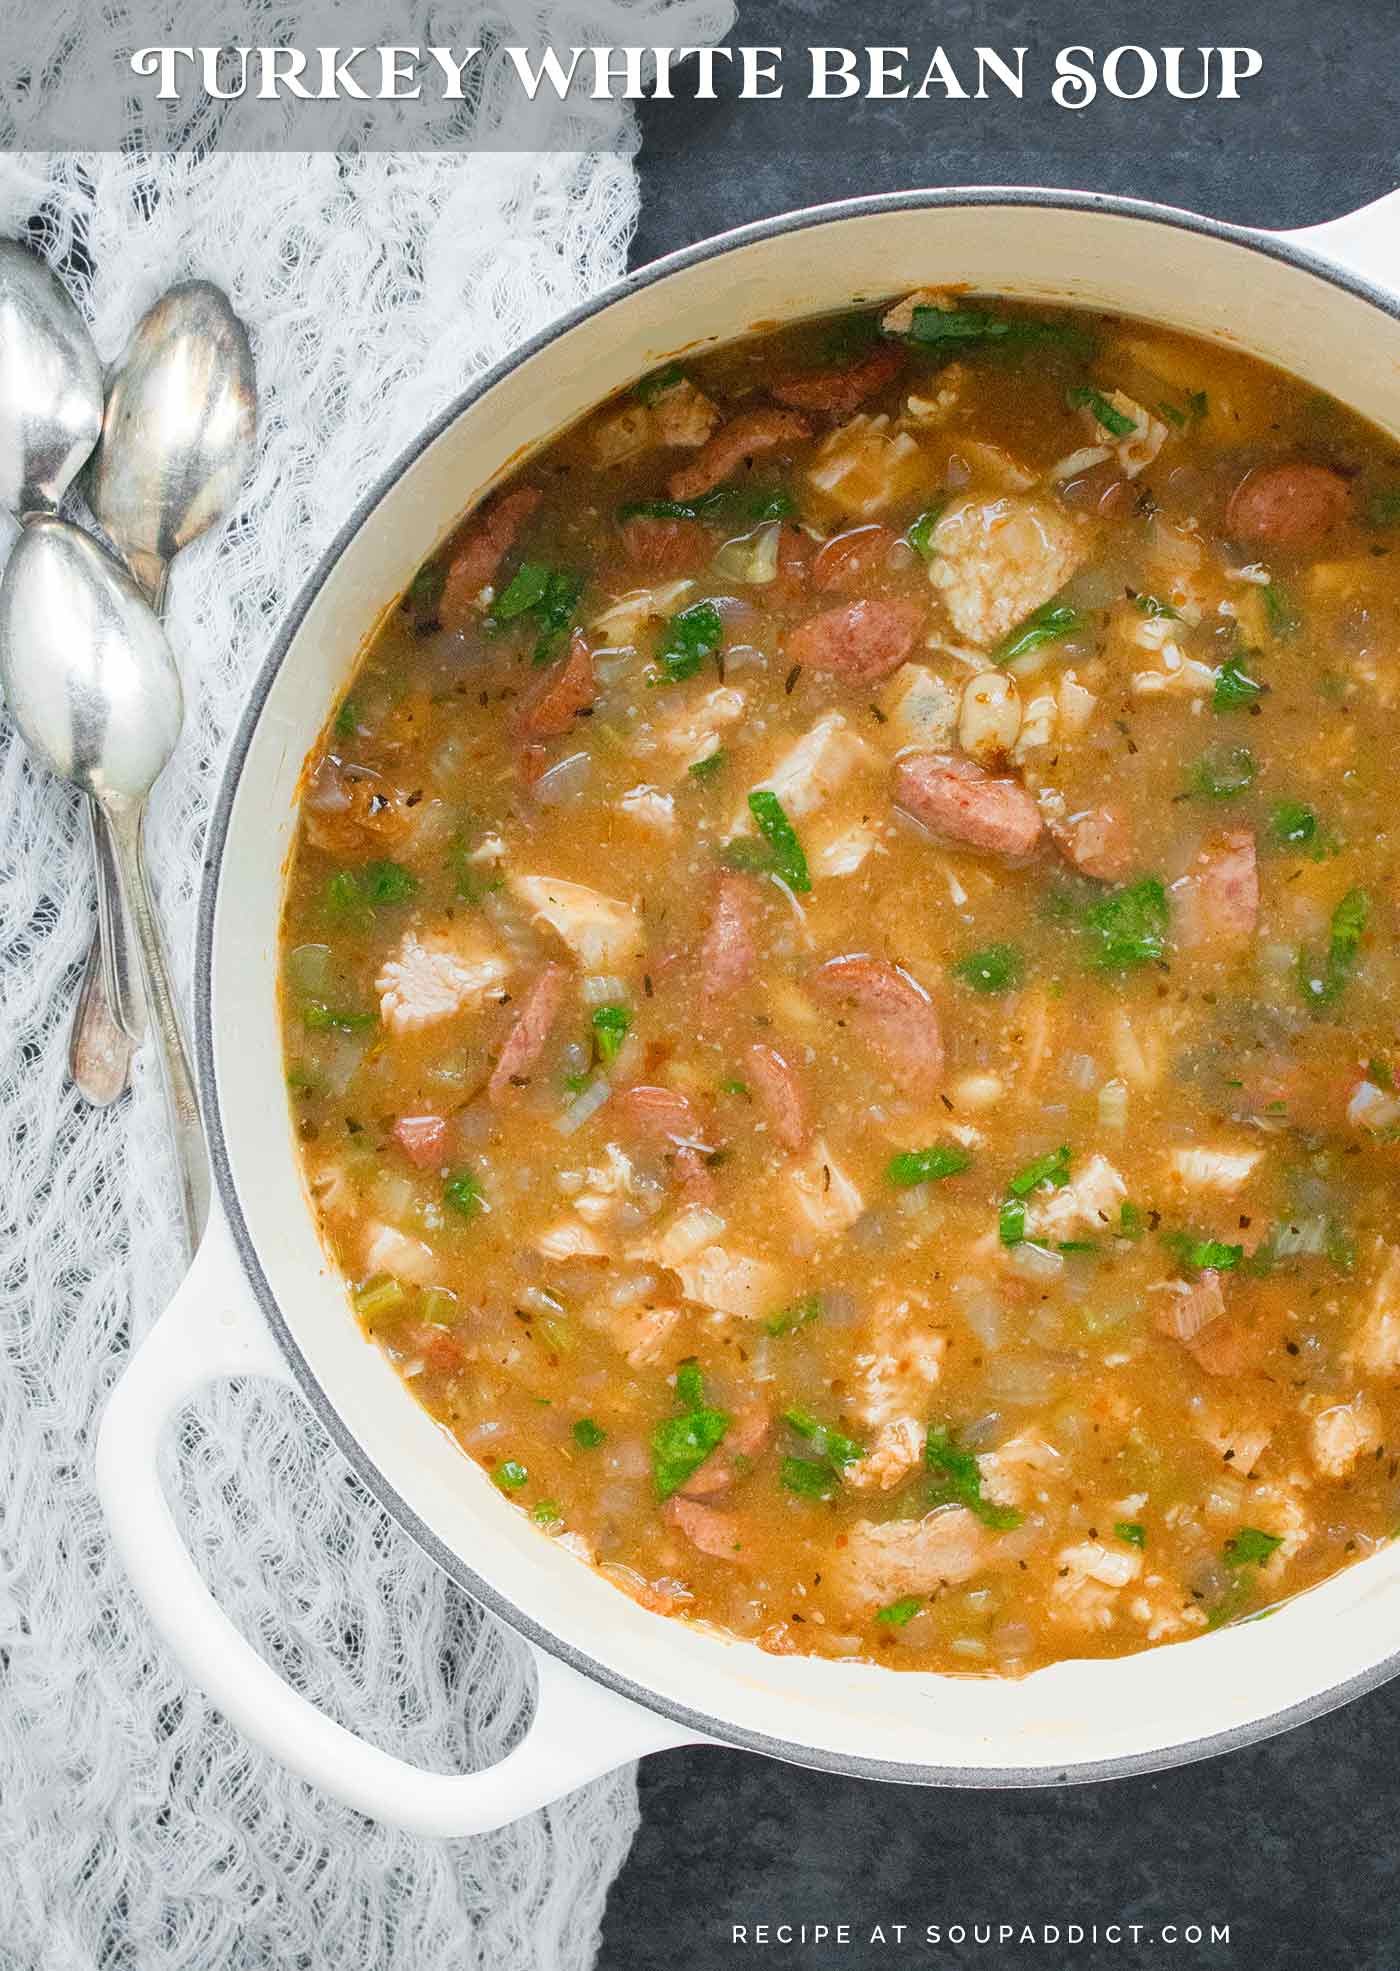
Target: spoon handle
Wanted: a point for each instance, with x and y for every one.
(99, 1053)
(109, 1019)
(125, 820)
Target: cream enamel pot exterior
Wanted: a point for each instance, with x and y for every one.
(262, 1298)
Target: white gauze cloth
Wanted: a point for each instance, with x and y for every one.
(138, 1831)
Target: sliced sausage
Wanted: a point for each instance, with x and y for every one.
(847, 560)
(1097, 843)
(529, 1033)
(794, 566)
(744, 1442)
(566, 689)
(707, 1528)
(423, 1140)
(1293, 506)
(662, 547)
(660, 1115)
(840, 389)
(861, 641)
(475, 562)
(959, 802)
(780, 1095)
(892, 1011)
(1222, 898)
(752, 432)
(729, 952)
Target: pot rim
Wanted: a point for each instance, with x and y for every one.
(703, 1724)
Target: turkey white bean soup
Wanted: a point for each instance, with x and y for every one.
(841, 989)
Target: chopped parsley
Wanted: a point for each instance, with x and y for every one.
(826, 1443)
(463, 1194)
(801, 1313)
(1281, 611)
(706, 769)
(1151, 605)
(896, 1613)
(1011, 1222)
(1203, 1255)
(995, 968)
(1323, 986)
(1049, 1173)
(1047, 624)
(928, 1166)
(1293, 824)
(680, 1445)
(1131, 1532)
(358, 892)
(1084, 397)
(611, 1025)
(807, 1479)
(1127, 927)
(1223, 773)
(1250, 1548)
(1129, 1221)
(659, 382)
(545, 1512)
(690, 639)
(347, 719)
(953, 329)
(510, 1476)
(589, 1435)
(318, 1018)
(958, 1480)
(786, 858)
(1234, 687)
(548, 594)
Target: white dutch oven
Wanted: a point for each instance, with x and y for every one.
(262, 1300)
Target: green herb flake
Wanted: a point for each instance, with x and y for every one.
(787, 858)
(1084, 397)
(1131, 1532)
(1250, 1548)
(897, 1613)
(1293, 825)
(806, 1479)
(1047, 624)
(952, 329)
(1127, 927)
(800, 1315)
(1048, 1173)
(690, 639)
(730, 505)
(358, 892)
(524, 591)
(1151, 605)
(347, 719)
(995, 968)
(928, 1166)
(659, 382)
(680, 1445)
(546, 1512)
(1129, 1221)
(1223, 773)
(1011, 1222)
(707, 768)
(611, 1025)
(1198, 403)
(656, 510)
(463, 1194)
(1203, 1255)
(1234, 687)
(318, 1018)
(1323, 985)
(589, 1435)
(510, 1476)
(920, 534)
(825, 1442)
(1281, 612)
(959, 1481)
(690, 1387)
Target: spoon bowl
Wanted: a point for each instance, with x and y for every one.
(179, 430)
(50, 386)
(85, 666)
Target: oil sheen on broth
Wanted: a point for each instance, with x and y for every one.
(840, 987)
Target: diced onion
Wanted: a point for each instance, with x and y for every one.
(564, 782)
(583, 1106)
(751, 558)
(1302, 1237)
(1083, 460)
(1080, 1070)
(1035, 1262)
(1113, 1104)
(601, 990)
(982, 1309)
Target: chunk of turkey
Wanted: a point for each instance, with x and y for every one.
(996, 561)
(435, 974)
(604, 935)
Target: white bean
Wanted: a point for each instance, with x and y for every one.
(990, 717)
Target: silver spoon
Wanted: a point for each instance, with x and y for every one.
(176, 443)
(95, 694)
(50, 418)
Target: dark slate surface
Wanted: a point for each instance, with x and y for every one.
(1294, 1843)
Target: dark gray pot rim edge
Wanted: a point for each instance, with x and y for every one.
(481, 1590)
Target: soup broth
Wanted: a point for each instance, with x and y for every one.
(840, 987)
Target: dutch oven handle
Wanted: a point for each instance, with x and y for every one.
(1365, 242)
(211, 1330)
